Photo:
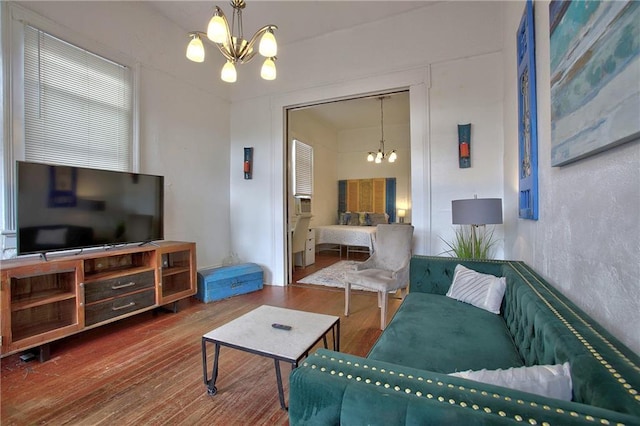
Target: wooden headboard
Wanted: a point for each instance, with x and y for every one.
(377, 195)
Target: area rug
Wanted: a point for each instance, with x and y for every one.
(332, 276)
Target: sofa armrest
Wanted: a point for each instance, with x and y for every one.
(334, 388)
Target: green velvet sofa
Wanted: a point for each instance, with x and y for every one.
(404, 378)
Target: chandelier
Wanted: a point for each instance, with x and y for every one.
(378, 157)
(232, 44)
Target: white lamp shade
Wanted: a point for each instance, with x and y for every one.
(370, 157)
(268, 46)
(268, 71)
(228, 73)
(401, 213)
(476, 211)
(195, 50)
(393, 157)
(379, 156)
(217, 29)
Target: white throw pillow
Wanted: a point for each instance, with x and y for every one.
(553, 381)
(481, 290)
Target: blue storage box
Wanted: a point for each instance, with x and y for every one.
(226, 281)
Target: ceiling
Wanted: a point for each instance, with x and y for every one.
(301, 20)
(296, 20)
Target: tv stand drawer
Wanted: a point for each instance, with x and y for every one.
(113, 308)
(114, 287)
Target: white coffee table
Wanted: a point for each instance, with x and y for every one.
(253, 332)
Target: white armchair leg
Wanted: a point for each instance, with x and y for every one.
(382, 295)
(347, 297)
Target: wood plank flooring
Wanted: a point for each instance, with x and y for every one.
(147, 369)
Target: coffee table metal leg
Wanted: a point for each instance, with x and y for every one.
(211, 388)
(279, 379)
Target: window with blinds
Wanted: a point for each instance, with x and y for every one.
(303, 169)
(78, 106)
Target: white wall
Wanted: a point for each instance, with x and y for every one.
(184, 112)
(465, 91)
(305, 75)
(587, 240)
(352, 163)
(323, 138)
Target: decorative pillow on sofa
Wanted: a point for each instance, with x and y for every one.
(344, 218)
(553, 381)
(480, 290)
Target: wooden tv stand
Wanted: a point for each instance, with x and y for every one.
(46, 300)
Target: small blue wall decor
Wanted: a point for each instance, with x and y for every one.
(527, 118)
(464, 145)
(247, 165)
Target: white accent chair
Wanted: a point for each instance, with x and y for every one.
(386, 270)
(299, 238)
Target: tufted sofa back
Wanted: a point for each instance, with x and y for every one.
(547, 328)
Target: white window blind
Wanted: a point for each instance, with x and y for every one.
(303, 169)
(78, 106)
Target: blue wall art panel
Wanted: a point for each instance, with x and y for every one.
(527, 117)
(595, 74)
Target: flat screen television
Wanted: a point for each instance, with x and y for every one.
(64, 208)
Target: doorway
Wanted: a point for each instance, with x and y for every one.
(342, 133)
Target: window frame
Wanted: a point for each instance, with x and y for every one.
(14, 17)
(295, 164)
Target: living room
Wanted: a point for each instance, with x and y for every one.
(458, 61)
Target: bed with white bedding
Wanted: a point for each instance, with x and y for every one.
(346, 235)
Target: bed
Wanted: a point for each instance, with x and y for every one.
(354, 238)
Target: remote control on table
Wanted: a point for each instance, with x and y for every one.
(281, 326)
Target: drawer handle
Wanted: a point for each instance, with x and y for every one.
(128, 305)
(118, 287)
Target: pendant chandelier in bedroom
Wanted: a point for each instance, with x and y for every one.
(232, 44)
(380, 156)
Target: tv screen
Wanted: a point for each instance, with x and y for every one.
(63, 207)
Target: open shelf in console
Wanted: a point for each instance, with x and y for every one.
(176, 273)
(42, 303)
(43, 318)
(109, 265)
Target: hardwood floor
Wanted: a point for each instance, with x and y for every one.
(147, 369)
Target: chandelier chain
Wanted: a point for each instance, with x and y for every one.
(382, 123)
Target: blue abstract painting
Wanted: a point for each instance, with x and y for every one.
(595, 76)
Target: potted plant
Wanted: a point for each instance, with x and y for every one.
(471, 243)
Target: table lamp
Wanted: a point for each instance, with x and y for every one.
(476, 212)
(401, 214)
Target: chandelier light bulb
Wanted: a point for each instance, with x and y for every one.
(268, 71)
(268, 45)
(379, 156)
(228, 73)
(217, 29)
(378, 160)
(195, 50)
(393, 156)
(370, 157)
